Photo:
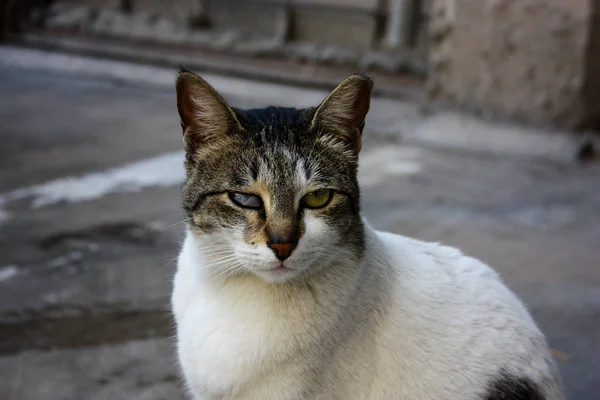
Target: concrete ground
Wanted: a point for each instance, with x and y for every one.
(90, 163)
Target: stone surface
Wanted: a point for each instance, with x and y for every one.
(179, 10)
(522, 59)
(317, 32)
(369, 5)
(85, 268)
(96, 4)
(252, 18)
(335, 27)
(591, 92)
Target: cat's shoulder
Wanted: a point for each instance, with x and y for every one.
(414, 256)
(448, 278)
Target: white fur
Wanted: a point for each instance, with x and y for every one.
(411, 321)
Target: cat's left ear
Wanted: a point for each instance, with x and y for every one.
(342, 114)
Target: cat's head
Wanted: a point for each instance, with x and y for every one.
(273, 191)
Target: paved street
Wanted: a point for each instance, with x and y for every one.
(90, 167)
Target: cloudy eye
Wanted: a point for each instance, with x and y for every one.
(245, 200)
(317, 199)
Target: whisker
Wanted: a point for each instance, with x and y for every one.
(219, 262)
(170, 262)
(177, 223)
(213, 252)
(227, 272)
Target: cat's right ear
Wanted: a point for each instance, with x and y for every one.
(205, 116)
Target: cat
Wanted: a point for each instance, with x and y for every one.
(284, 291)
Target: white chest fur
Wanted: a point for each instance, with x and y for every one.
(231, 333)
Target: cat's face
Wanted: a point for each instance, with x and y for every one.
(273, 191)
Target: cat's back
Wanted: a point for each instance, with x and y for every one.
(460, 325)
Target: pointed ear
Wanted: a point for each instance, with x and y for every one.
(342, 114)
(205, 116)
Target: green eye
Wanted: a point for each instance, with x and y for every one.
(246, 200)
(317, 199)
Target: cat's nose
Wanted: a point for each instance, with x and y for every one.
(281, 249)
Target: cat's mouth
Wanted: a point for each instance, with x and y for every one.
(280, 266)
(278, 271)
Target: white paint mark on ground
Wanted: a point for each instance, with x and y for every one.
(57, 297)
(66, 260)
(3, 215)
(379, 165)
(164, 170)
(8, 272)
(167, 170)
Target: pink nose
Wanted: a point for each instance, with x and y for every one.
(282, 250)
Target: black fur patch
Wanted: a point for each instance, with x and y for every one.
(509, 387)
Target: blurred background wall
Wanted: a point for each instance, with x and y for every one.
(534, 61)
